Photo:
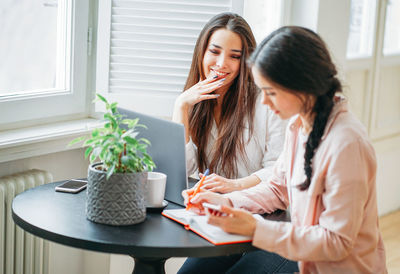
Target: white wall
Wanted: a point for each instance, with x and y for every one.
(62, 165)
(388, 187)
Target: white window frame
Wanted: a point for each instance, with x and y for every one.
(381, 61)
(373, 66)
(50, 105)
(155, 103)
(276, 15)
(368, 33)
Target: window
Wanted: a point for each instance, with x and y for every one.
(35, 65)
(362, 28)
(264, 16)
(391, 44)
(374, 76)
(44, 60)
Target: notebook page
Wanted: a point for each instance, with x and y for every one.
(182, 215)
(212, 232)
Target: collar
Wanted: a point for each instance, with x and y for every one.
(340, 105)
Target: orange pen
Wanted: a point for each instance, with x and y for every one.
(197, 190)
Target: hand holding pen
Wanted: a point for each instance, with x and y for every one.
(197, 189)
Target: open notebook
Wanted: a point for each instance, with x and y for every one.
(198, 224)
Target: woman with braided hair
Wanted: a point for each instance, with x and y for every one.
(326, 172)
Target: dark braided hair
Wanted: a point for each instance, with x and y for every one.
(297, 60)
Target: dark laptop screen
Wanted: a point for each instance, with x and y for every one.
(167, 150)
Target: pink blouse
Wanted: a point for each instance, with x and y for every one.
(334, 224)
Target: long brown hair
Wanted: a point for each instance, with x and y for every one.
(238, 106)
(298, 60)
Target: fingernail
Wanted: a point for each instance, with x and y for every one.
(223, 79)
(215, 77)
(217, 95)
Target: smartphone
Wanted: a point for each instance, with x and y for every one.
(214, 209)
(72, 186)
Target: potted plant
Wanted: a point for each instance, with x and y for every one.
(115, 191)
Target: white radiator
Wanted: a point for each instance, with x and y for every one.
(20, 252)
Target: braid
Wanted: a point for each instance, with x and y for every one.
(322, 109)
(297, 59)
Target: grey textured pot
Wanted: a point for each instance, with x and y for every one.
(116, 201)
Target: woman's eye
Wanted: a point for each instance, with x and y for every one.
(213, 51)
(236, 56)
(269, 93)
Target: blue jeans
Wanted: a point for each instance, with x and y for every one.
(254, 262)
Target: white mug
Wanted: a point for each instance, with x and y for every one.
(155, 189)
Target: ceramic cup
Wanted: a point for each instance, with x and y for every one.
(155, 189)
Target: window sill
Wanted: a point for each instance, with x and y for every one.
(40, 140)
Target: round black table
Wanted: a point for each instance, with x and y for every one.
(60, 217)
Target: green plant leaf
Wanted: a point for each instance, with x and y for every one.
(89, 142)
(131, 140)
(112, 120)
(113, 107)
(131, 132)
(95, 153)
(110, 171)
(87, 152)
(142, 148)
(142, 126)
(76, 140)
(101, 98)
(144, 140)
(118, 148)
(125, 160)
(95, 132)
(130, 122)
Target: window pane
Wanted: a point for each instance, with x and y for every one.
(263, 16)
(391, 44)
(362, 22)
(33, 46)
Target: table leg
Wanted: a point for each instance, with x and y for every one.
(149, 265)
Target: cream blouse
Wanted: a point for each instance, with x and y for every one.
(262, 150)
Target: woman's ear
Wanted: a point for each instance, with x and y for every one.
(308, 101)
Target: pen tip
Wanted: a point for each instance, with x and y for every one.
(206, 172)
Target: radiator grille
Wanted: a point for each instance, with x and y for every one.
(20, 252)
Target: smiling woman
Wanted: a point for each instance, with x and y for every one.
(222, 113)
(222, 59)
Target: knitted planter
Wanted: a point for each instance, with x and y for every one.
(116, 201)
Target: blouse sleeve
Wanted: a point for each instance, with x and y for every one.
(267, 196)
(349, 188)
(191, 162)
(274, 139)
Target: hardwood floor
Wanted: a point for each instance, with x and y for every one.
(390, 228)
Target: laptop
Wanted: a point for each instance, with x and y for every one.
(167, 150)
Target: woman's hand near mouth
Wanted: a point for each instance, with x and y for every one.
(199, 92)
